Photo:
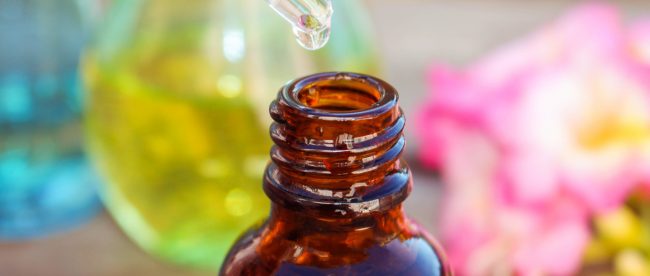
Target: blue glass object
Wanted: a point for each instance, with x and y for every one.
(45, 182)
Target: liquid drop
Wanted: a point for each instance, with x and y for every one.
(311, 20)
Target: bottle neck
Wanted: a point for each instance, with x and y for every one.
(386, 223)
(338, 140)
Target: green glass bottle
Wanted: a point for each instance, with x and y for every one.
(177, 113)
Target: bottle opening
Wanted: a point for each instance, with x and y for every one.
(339, 95)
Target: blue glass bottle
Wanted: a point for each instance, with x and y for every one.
(45, 182)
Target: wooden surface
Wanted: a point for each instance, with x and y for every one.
(411, 34)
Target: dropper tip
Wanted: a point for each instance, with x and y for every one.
(311, 20)
(312, 40)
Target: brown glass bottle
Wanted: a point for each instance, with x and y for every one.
(337, 185)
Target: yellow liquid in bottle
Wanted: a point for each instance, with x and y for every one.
(183, 164)
(177, 114)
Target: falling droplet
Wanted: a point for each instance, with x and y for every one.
(311, 20)
(312, 34)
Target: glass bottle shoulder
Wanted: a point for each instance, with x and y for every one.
(265, 250)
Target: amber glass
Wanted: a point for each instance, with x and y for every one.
(337, 185)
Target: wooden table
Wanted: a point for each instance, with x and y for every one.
(411, 34)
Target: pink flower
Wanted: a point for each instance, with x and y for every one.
(484, 235)
(536, 138)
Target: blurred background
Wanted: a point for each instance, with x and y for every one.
(165, 129)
